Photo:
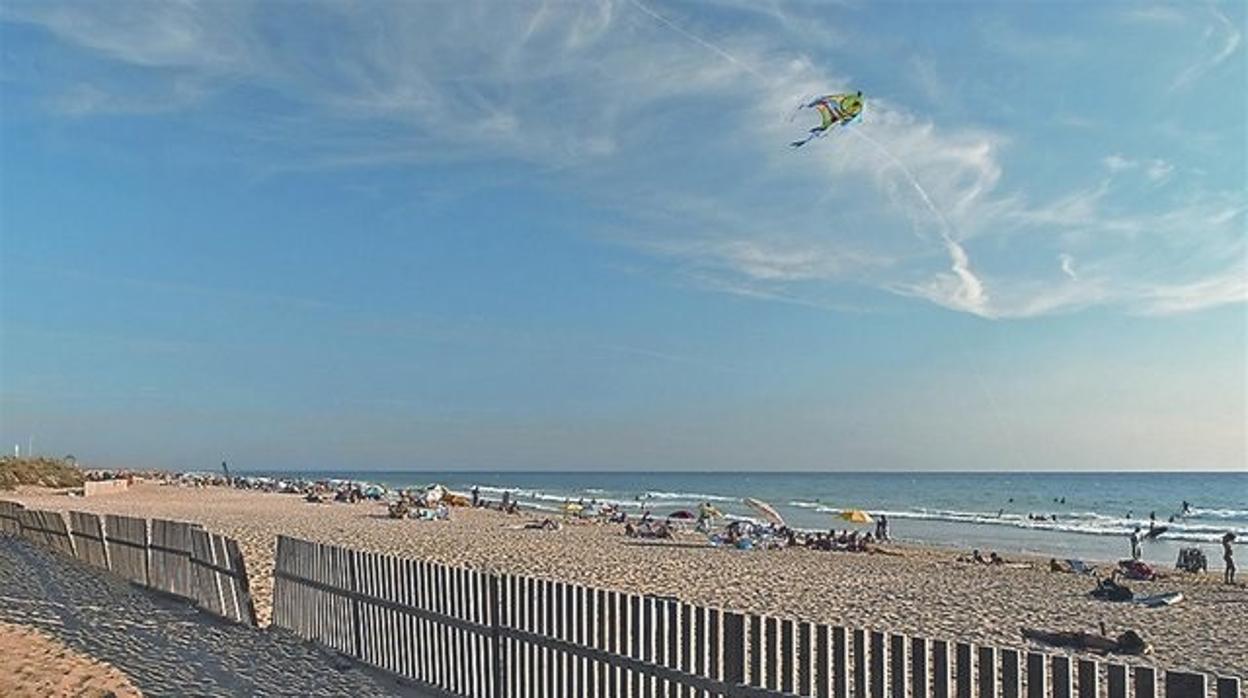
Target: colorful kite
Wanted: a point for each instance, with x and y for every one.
(833, 110)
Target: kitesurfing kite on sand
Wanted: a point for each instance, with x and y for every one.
(833, 110)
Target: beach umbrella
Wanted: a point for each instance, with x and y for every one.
(856, 516)
(765, 510)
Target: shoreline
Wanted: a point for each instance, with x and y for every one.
(917, 588)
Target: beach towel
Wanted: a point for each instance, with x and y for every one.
(1080, 567)
(1134, 569)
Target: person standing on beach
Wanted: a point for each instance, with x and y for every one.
(1135, 543)
(1228, 557)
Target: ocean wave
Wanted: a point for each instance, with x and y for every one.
(693, 497)
(534, 496)
(1198, 513)
(1098, 525)
(807, 505)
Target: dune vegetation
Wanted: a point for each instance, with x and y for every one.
(45, 472)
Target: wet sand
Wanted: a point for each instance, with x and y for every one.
(919, 590)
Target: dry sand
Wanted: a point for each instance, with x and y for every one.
(34, 665)
(924, 591)
(142, 642)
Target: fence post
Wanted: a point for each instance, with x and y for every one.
(734, 649)
(496, 636)
(1089, 679)
(1117, 679)
(1180, 684)
(963, 658)
(1145, 682)
(353, 581)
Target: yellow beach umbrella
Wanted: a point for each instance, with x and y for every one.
(857, 516)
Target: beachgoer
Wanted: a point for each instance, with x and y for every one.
(881, 528)
(1129, 642)
(976, 557)
(995, 559)
(1055, 566)
(1135, 543)
(1187, 508)
(1228, 557)
(476, 496)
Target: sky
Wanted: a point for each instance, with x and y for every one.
(571, 235)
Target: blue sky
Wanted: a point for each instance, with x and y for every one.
(570, 235)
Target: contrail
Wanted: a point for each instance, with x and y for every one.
(961, 262)
(974, 288)
(957, 254)
(699, 40)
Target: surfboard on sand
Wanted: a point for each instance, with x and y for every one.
(1158, 600)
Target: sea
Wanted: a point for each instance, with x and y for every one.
(1086, 516)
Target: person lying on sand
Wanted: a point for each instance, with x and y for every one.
(1129, 642)
(975, 557)
(543, 525)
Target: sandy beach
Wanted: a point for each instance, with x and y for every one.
(919, 590)
(70, 630)
(34, 665)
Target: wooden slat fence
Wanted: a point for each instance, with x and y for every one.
(46, 528)
(169, 557)
(474, 633)
(10, 523)
(219, 577)
(126, 542)
(88, 533)
(178, 558)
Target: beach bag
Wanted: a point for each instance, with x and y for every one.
(1109, 590)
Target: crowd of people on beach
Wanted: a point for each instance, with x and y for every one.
(434, 503)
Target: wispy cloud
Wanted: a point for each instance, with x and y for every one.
(1223, 36)
(680, 132)
(1067, 263)
(1222, 289)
